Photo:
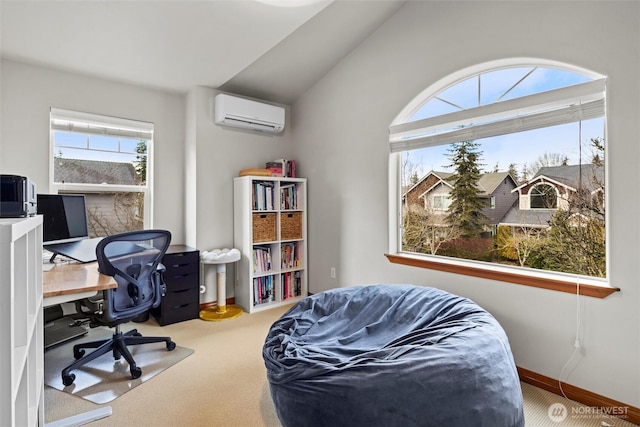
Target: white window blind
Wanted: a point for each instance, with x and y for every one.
(75, 121)
(555, 107)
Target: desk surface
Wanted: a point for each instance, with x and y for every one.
(75, 278)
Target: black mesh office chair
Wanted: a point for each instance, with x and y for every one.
(133, 259)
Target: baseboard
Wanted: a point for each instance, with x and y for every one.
(632, 414)
(230, 301)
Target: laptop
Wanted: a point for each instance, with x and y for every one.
(81, 250)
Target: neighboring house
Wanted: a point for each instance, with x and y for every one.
(552, 188)
(94, 172)
(107, 212)
(432, 194)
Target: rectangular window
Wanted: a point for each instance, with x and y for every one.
(441, 202)
(566, 163)
(109, 160)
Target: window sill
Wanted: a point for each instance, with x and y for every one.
(586, 289)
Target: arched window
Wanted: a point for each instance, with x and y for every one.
(492, 131)
(543, 196)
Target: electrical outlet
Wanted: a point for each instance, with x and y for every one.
(333, 273)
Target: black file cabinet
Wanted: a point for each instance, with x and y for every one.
(182, 277)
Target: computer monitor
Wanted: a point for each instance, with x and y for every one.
(64, 217)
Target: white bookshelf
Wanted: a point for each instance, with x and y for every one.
(270, 222)
(21, 322)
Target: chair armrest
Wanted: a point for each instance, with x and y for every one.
(159, 285)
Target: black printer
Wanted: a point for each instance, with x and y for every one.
(18, 197)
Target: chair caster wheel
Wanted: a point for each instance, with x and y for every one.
(171, 345)
(136, 372)
(67, 380)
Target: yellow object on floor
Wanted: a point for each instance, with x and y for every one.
(217, 314)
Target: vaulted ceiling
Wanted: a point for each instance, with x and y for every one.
(240, 46)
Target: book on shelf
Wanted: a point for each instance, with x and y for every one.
(263, 290)
(291, 284)
(288, 196)
(289, 253)
(276, 168)
(262, 196)
(261, 259)
(282, 167)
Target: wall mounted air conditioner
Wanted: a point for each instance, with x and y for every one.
(244, 113)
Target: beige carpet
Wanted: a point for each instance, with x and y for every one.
(104, 378)
(224, 383)
(542, 409)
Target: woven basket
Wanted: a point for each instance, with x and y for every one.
(264, 227)
(290, 225)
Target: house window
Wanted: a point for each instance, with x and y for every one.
(441, 203)
(543, 196)
(541, 128)
(109, 160)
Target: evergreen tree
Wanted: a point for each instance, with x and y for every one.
(141, 161)
(514, 172)
(414, 178)
(465, 211)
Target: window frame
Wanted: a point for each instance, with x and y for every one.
(557, 281)
(127, 126)
(540, 195)
(445, 202)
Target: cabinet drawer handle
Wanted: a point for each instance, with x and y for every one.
(181, 306)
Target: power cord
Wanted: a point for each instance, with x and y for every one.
(576, 342)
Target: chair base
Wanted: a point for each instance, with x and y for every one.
(116, 345)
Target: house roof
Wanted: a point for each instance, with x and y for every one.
(527, 217)
(490, 181)
(443, 176)
(588, 176)
(487, 183)
(94, 172)
(592, 175)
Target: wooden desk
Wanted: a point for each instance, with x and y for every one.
(69, 282)
(72, 281)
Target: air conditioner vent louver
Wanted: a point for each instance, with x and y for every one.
(244, 113)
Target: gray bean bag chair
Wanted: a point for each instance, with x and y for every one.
(391, 355)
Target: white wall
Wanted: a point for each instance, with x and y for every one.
(340, 129)
(28, 92)
(195, 161)
(215, 155)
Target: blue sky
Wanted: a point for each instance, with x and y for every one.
(520, 149)
(103, 148)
